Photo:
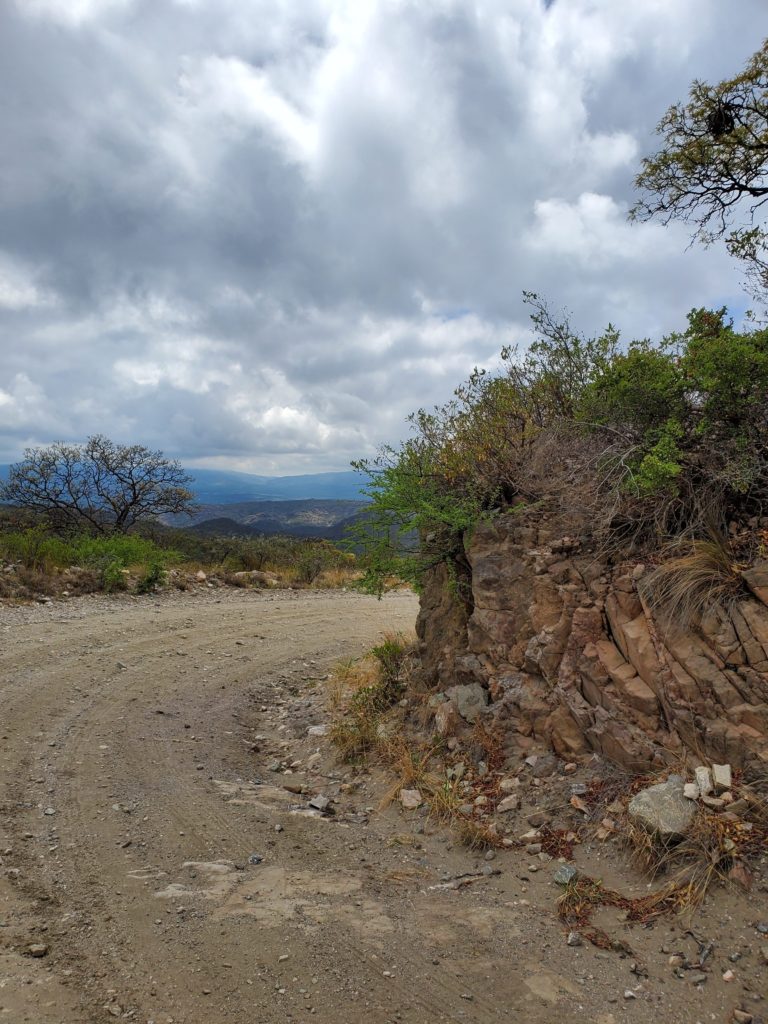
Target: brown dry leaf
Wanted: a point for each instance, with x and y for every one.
(579, 804)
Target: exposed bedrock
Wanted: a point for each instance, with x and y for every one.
(572, 656)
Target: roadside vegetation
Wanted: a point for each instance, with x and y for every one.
(39, 560)
(645, 444)
(379, 713)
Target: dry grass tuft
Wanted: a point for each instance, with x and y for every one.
(581, 897)
(686, 586)
(361, 693)
(477, 835)
(558, 842)
(412, 767)
(405, 839)
(346, 679)
(445, 801)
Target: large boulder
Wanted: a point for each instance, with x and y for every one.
(663, 810)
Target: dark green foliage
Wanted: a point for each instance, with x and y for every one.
(390, 655)
(696, 408)
(357, 730)
(38, 547)
(639, 390)
(728, 372)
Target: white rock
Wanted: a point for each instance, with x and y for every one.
(703, 780)
(410, 799)
(662, 808)
(721, 774)
(691, 791)
(530, 835)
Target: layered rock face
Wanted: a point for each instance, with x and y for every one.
(571, 655)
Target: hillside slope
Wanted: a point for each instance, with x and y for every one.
(309, 518)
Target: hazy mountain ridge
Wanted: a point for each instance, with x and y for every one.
(243, 504)
(219, 487)
(227, 487)
(309, 518)
(308, 512)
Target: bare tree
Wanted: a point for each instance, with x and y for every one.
(102, 485)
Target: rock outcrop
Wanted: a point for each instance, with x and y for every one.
(571, 655)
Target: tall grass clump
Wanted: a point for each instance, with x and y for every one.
(685, 586)
(362, 692)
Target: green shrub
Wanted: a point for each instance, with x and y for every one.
(657, 439)
(640, 390)
(660, 467)
(390, 654)
(113, 576)
(39, 549)
(152, 579)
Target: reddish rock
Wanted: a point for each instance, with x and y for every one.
(598, 675)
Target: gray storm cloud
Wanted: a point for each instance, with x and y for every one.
(258, 233)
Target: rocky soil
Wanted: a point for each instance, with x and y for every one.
(178, 843)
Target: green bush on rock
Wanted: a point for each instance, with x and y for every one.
(652, 442)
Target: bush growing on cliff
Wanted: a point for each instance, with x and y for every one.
(693, 418)
(468, 458)
(647, 442)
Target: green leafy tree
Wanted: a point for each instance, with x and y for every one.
(103, 486)
(712, 168)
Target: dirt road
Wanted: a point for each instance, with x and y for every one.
(157, 850)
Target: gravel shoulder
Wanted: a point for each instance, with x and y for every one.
(156, 840)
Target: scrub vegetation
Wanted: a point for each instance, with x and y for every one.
(649, 443)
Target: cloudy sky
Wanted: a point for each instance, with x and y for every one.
(257, 233)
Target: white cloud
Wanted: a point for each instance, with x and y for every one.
(71, 12)
(19, 288)
(230, 88)
(594, 231)
(263, 231)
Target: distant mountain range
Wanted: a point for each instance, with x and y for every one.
(225, 487)
(242, 504)
(221, 487)
(310, 518)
